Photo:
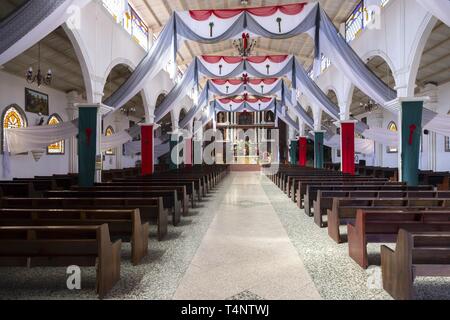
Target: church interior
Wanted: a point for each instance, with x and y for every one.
(225, 150)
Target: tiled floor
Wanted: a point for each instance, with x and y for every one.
(246, 252)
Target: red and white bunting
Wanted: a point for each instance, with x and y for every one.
(256, 104)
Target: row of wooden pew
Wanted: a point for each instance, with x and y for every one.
(377, 210)
(441, 180)
(64, 225)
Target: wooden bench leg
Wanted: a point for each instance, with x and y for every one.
(108, 268)
(333, 226)
(139, 242)
(318, 219)
(357, 246)
(397, 280)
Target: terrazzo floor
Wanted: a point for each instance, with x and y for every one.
(245, 241)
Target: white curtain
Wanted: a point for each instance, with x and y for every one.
(115, 140)
(364, 146)
(382, 135)
(436, 122)
(20, 140)
(439, 8)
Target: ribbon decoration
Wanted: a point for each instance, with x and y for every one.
(88, 136)
(412, 129)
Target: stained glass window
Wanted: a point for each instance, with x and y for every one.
(13, 117)
(109, 132)
(392, 127)
(57, 147)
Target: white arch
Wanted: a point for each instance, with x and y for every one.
(82, 54)
(424, 32)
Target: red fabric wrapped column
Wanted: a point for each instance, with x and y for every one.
(302, 151)
(147, 149)
(348, 146)
(188, 152)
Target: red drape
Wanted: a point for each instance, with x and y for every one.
(348, 147)
(267, 81)
(289, 9)
(188, 152)
(147, 149)
(227, 59)
(273, 58)
(302, 151)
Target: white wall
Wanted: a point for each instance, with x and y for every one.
(12, 91)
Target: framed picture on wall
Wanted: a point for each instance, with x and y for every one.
(36, 102)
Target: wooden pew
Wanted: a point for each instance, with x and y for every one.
(40, 185)
(312, 191)
(344, 209)
(122, 224)
(382, 227)
(303, 185)
(22, 246)
(324, 199)
(180, 190)
(416, 255)
(17, 189)
(151, 209)
(188, 185)
(170, 198)
(198, 186)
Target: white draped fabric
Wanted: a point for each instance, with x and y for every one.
(20, 140)
(439, 123)
(439, 8)
(383, 136)
(364, 146)
(115, 140)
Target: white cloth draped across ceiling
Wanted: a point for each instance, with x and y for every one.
(439, 8)
(364, 146)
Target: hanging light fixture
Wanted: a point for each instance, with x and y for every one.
(38, 78)
(128, 111)
(369, 107)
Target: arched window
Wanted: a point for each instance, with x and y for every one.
(109, 132)
(13, 117)
(57, 147)
(392, 126)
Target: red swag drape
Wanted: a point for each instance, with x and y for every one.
(289, 9)
(302, 151)
(348, 147)
(147, 149)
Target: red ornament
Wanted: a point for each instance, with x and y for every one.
(88, 135)
(412, 128)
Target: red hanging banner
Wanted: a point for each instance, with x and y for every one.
(302, 151)
(147, 149)
(188, 152)
(348, 147)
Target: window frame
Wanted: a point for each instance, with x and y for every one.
(63, 142)
(390, 149)
(112, 151)
(21, 113)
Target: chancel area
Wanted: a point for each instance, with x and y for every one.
(225, 150)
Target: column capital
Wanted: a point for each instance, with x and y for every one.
(104, 109)
(394, 105)
(340, 122)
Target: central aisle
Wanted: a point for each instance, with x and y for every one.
(246, 252)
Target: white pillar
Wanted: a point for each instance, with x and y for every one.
(73, 97)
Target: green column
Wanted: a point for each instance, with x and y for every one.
(293, 152)
(411, 129)
(318, 149)
(87, 145)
